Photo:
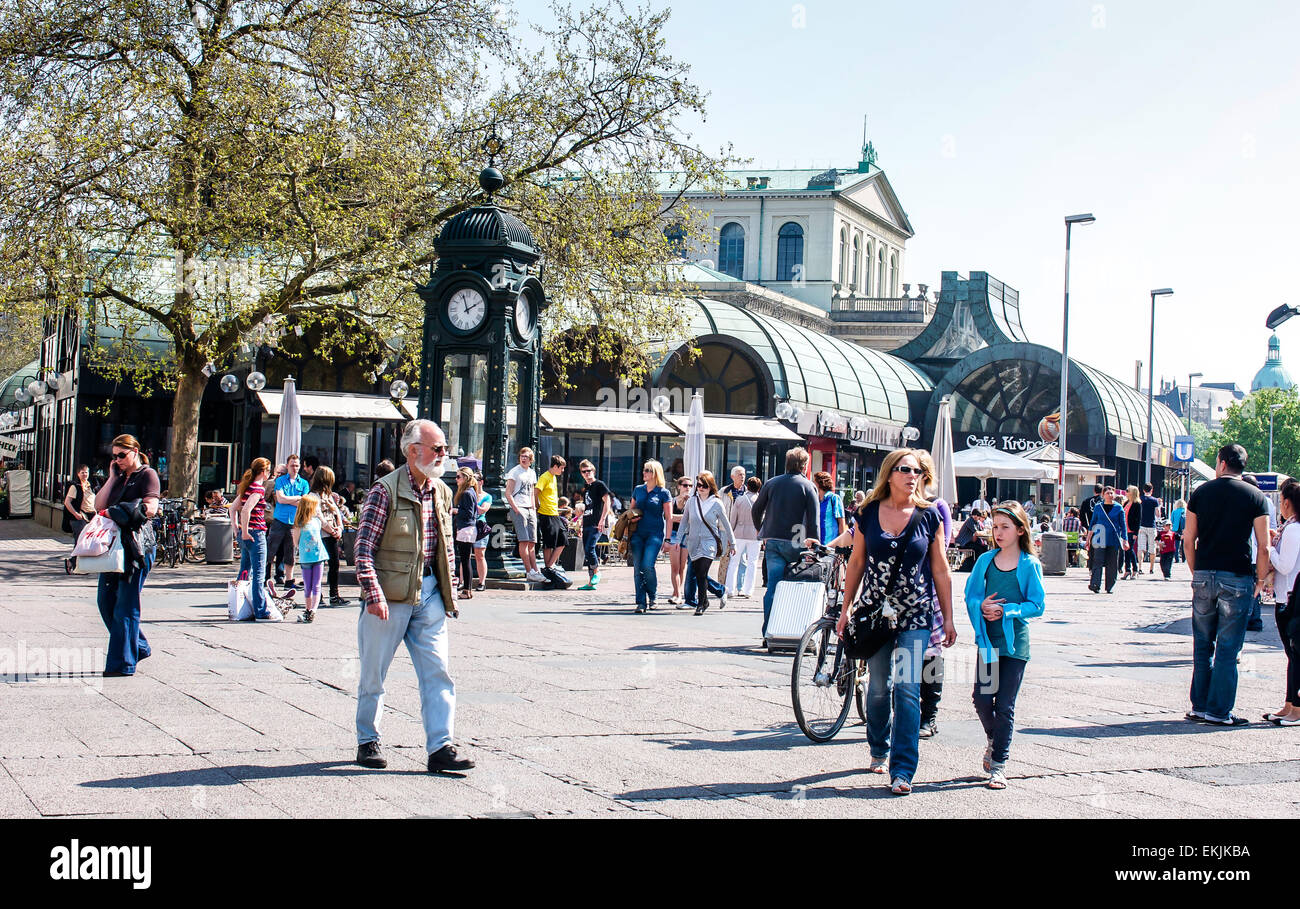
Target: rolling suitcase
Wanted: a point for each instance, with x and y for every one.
(795, 606)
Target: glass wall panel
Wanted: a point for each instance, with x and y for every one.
(579, 445)
(464, 403)
(620, 465)
(744, 453)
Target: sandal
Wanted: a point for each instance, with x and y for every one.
(998, 777)
(878, 765)
(901, 787)
(465, 594)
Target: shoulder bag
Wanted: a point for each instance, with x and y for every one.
(869, 629)
(699, 510)
(1123, 536)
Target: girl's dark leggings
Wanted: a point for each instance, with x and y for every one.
(332, 571)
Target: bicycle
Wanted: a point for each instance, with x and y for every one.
(823, 681)
(167, 527)
(194, 548)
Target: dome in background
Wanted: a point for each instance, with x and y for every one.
(1273, 374)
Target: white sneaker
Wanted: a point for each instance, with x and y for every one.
(535, 576)
(722, 603)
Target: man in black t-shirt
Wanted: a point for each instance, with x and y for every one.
(1147, 527)
(1221, 515)
(595, 508)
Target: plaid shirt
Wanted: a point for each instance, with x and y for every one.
(374, 518)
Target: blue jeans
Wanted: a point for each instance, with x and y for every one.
(894, 676)
(642, 550)
(589, 537)
(252, 559)
(118, 598)
(424, 629)
(716, 589)
(778, 554)
(1221, 603)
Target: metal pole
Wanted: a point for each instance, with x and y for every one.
(1271, 413)
(1151, 355)
(1065, 387)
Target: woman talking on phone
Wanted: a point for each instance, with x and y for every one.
(130, 499)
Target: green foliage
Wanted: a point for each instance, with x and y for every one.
(1246, 424)
(221, 173)
(1206, 444)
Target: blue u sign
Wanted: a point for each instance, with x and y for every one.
(1184, 448)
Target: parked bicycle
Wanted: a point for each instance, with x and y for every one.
(168, 526)
(823, 681)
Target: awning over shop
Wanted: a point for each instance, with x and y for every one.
(587, 419)
(720, 427)
(1075, 464)
(340, 406)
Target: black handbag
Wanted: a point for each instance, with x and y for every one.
(868, 630)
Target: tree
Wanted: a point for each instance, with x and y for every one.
(222, 171)
(1206, 444)
(1246, 424)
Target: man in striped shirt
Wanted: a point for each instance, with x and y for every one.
(403, 559)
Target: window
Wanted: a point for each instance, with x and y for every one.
(880, 272)
(844, 256)
(857, 260)
(789, 252)
(731, 251)
(893, 274)
(866, 285)
(676, 236)
(731, 383)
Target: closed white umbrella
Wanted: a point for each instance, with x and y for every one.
(693, 454)
(288, 432)
(941, 451)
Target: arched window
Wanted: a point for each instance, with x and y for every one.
(731, 383)
(731, 251)
(676, 236)
(880, 271)
(893, 274)
(789, 252)
(866, 284)
(844, 256)
(857, 261)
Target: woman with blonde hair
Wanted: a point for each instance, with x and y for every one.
(655, 503)
(898, 565)
(464, 523)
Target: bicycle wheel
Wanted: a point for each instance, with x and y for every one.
(822, 682)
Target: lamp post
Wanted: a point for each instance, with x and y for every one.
(1187, 479)
(1272, 409)
(1070, 221)
(1151, 355)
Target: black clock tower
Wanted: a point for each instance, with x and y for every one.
(480, 372)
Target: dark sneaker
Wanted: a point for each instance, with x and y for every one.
(1230, 721)
(929, 729)
(368, 756)
(445, 759)
(1254, 626)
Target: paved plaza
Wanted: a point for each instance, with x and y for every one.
(574, 707)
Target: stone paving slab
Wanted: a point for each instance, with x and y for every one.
(574, 707)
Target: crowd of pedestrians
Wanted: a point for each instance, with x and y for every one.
(420, 545)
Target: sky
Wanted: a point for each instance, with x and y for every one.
(1177, 124)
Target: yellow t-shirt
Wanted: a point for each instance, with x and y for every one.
(548, 494)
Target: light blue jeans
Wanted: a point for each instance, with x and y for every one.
(252, 559)
(424, 629)
(1221, 603)
(894, 676)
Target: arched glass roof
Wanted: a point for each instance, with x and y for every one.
(17, 380)
(1126, 409)
(814, 369)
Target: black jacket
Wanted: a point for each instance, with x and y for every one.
(138, 537)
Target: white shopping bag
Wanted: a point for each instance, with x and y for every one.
(239, 600)
(112, 561)
(96, 538)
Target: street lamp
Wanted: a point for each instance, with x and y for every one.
(1159, 292)
(1190, 376)
(1070, 221)
(1272, 409)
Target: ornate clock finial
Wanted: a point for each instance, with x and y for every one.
(491, 179)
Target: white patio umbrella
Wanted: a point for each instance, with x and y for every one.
(986, 462)
(288, 432)
(693, 453)
(941, 451)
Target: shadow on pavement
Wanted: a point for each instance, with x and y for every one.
(240, 773)
(774, 738)
(1143, 727)
(873, 786)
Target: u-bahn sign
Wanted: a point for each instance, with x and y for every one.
(1184, 448)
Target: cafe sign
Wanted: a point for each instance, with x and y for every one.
(1012, 444)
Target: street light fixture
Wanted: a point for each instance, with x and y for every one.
(1159, 292)
(1280, 315)
(1070, 221)
(1272, 409)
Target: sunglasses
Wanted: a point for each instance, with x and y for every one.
(121, 455)
(903, 468)
(588, 470)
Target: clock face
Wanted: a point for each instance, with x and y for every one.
(524, 312)
(466, 309)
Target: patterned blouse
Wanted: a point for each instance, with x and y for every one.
(913, 597)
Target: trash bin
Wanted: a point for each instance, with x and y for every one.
(349, 554)
(218, 540)
(1052, 552)
(569, 558)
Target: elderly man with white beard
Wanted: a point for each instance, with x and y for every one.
(403, 560)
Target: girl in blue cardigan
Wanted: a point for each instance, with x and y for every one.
(1005, 589)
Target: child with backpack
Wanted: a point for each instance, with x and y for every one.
(1005, 589)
